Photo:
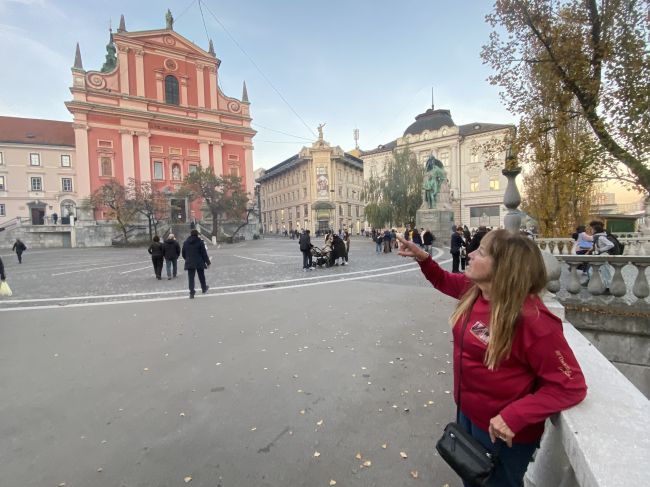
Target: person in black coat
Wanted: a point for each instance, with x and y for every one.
(305, 248)
(338, 250)
(19, 247)
(2, 271)
(196, 261)
(476, 239)
(157, 253)
(457, 243)
(171, 252)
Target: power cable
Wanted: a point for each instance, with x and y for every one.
(280, 132)
(204, 25)
(257, 68)
(184, 11)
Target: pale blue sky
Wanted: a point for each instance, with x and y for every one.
(368, 64)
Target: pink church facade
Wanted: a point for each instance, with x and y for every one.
(156, 113)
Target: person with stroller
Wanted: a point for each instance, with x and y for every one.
(338, 250)
(305, 247)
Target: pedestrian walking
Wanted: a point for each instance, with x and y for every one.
(157, 256)
(513, 367)
(19, 247)
(427, 240)
(417, 238)
(378, 237)
(305, 247)
(2, 271)
(196, 261)
(171, 252)
(346, 240)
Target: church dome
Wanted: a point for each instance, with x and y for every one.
(430, 120)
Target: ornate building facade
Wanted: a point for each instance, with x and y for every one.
(317, 189)
(476, 193)
(37, 170)
(155, 112)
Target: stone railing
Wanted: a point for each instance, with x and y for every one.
(603, 441)
(634, 245)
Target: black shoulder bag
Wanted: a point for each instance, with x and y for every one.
(462, 452)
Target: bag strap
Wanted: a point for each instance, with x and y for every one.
(460, 364)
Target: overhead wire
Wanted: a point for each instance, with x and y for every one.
(266, 78)
(204, 24)
(186, 9)
(280, 132)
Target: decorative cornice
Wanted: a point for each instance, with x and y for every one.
(81, 126)
(142, 134)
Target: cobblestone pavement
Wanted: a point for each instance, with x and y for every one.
(276, 377)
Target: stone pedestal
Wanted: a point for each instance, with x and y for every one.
(438, 221)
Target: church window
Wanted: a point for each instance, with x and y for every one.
(158, 170)
(106, 167)
(171, 90)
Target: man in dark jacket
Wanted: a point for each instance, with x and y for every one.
(19, 247)
(476, 239)
(156, 251)
(171, 251)
(196, 261)
(427, 240)
(456, 244)
(305, 248)
(2, 271)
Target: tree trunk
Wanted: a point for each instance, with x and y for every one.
(215, 225)
(150, 232)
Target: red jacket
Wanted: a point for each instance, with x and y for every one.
(540, 378)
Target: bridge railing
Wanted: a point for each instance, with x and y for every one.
(635, 244)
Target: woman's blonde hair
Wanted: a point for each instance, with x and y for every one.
(518, 271)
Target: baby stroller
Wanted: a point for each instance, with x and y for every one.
(320, 257)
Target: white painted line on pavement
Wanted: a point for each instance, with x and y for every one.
(213, 295)
(335, 277)
(98, 268)
(134, 270)
(256, 260)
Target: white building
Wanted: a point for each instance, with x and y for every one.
(476, 193)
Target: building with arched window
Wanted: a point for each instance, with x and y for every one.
(155, 112)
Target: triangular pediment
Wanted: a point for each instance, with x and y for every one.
(166, 38)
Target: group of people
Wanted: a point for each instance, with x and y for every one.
(595, 240)
(335, 250)
(194, 253)
(386, 240)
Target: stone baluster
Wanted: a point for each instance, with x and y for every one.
(511, 200)
(617, 286)
(574, 281)
(596, 286)
(640, 288)
(553, 272)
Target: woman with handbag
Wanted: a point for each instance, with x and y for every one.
(512, 365)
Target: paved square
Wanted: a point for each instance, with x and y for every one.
(276, 377)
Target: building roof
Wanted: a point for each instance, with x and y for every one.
(430, 120)
(381, 148)
(296, 159)
(479, 128)
(35, 131)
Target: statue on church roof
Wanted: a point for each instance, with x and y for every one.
(169, 19)
(111, 59)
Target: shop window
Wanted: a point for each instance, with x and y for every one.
(171, 90)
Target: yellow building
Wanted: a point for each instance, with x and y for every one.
(317, 189)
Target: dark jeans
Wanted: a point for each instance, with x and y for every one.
(306, 259)
(190, 279)
(512, 462)
(20, 257)
(171, 263)
(455, 262)
(157, 265)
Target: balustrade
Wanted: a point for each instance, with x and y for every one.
(634, 245)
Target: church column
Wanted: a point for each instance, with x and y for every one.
(160, 89)
(128, 164)
(139, 72)
(204, 153)
(217, 154)
(183, 83)
(248, 161)
(123, 60)
(212, 101)
(145, 158)
(82, 159)
(200, 86)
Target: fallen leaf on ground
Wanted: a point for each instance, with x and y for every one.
(302, 411)
(367, 463)
(332, 482)
(319, 423)
(317, 454)
(253, 429)
(187, 479)
(146, 369)
(182, 414)
(358, 456)
(414, 474)
(403, 455)
(100, 469)
(384, 446)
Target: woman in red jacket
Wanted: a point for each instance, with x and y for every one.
(518, 368)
